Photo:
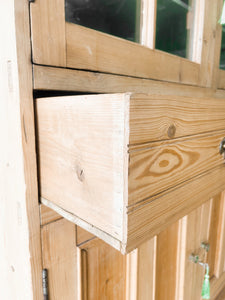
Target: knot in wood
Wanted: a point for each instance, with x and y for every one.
(171, 131)
(80, 173)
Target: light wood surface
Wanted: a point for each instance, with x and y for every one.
(152, 116)
(146, 276)
(197, 231)
(148, 23)
(215, 235)
(221, 79)
(179, 201)
(49, 78)
(105, 271)
(48, 215)
(195, 25)
(90, 141)
(158, 168)
(48, 32)
(166, 263)
(216, 286)
(131, 275)
(210, 52)
(60, 259)
(220, 253)
(115, 243)
(83, 236)
(101, 52)
(89, 185)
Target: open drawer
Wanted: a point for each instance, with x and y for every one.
(125, 166)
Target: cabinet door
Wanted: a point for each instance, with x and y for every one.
(81, 266)
(57, 41)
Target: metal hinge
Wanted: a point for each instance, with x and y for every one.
(45, 283)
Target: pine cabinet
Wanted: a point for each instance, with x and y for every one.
(122, 150)
(158, 269)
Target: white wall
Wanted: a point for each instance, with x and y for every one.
(15, 270)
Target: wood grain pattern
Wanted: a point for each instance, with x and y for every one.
(168, 208)
(48, 32)
(166, 263)
(62, 79)
(146, 277)
(101, 52)
(159, 168)
(151, 116)
(115, 243)
(48, 215)
(220, 253)
(106, 272)
(60, 259)
(181, 258)
(210, 54)
(197, 231)
(73, 174)
(214, 235)
(89, 185)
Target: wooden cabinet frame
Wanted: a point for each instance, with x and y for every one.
(65, 77)
(58, 43)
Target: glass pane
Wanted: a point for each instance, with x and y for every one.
(117, 17)
(171, 26)
(222, 53)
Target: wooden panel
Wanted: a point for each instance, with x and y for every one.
(216, 286)
(148, 23)
(85, 225)
(220, 252)
(88, 185)
(211, 43)
(166, 263)
(221, 295)
(83, 236)
(197, 231)
(195, 23)
(132, 275)
(48, 78)
(48, 32)
(181, 258)
(159, 168)
(59, 257)
(214, 238)
(101, 52)
(105, 271)
(146, 279)
(154, 117)
(221, 79)
(179, 201)
(48, 215)
(83, 159)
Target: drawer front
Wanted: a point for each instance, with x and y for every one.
(81, 146)
(114, 162)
